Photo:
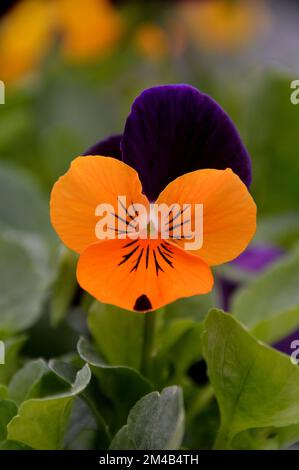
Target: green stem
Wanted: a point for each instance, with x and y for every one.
(223, 439)
(148, 342)
(204, 397)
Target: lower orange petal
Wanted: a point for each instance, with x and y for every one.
(141, 275)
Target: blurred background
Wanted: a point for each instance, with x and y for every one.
(71, 70)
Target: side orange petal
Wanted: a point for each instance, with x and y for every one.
(90, 181)
(229, 212)
(141, 275)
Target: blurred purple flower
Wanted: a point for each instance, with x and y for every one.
(255, 259)
(285, 344)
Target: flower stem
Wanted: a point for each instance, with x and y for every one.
(202, 400)
(223, 439)
(148, 342)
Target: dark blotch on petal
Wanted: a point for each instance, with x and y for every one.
(175, 129)
(109, 147)
(142, 304)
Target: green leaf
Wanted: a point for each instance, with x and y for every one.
(202, 419)
(119, 387)
(25, 277)
(41, 423)
(27, 244)
(194, 308)
(255, 385)
(82, 432)
(267, 438)
(178, 347)
(12, 445)
(22, 205)
(117, 333)
(67, 372)
(8, 410)
(3, 392)
(25, 380)
(64, 286)
(156, 422)
(269, 305)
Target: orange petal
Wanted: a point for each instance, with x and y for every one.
(90, 181)
(229, 212)
(141, 275)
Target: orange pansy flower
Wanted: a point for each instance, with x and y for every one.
(139, 272)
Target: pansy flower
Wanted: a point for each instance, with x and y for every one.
(178, 148)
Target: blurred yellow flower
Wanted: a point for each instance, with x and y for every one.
(25, 36)
(151, 41)
(90, 28)
(224, 25)
(85, 29)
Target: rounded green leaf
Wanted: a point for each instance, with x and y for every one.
(117, 333)
(41, 423)
(156, 422)
(255, 385)
(25, 277)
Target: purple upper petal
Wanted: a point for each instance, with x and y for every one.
(175, 129)
(109, 147)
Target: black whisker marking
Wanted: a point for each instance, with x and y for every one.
(127, 222)
(128, 256)
(135, 267)
(131, 243)
(177, 215)
(167, 255)
(178, 225)
(167, 249)
(136, 212)
(170, 210)
(164, 257)
(126, 211)
(147, 256)
(158, 267)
